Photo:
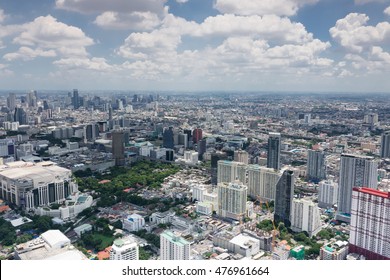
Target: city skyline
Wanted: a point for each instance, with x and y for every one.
(283, 45)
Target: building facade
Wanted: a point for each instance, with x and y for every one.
(262, 182)
(173, 247)
(316, 166)
(327, 193)
(124, 250)
(273, 155)
(232, 200)
(305, 216)
(284, 197)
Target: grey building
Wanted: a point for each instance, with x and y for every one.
(385, 145)
(273, 156)
(316, 166)
(284, 197)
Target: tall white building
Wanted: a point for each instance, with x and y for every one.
(241, 156)
(124, 249)
(230, 171)
(198, 192)
(355, 171)
(370, 224)
(31, 185)
(173, 247)
(232, 200)
(305, 216)
(262, 182)
(316, 165)
(133, 222)
(191, 157)
(327, 193)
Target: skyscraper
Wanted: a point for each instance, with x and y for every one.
(262, 182)
(355, 171)
(76, 99)
(230, 171)
(197, 135)
(168, 141)
(232, 199)
(284, 197)
(20, 116)
(273, 156)
(370, 224)
(118, 147)
(316, 166)
(385, 145)
(11, 101)
(215, 157)
(173, 247)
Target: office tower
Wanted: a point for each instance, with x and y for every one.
(45, 105)
(232, 200)
(241, 156)
(355, 171)
(201, 148)
(316, 166)
(11, 101)
(173, 247)
(327, 193)
(183, 140)
(370, 224)
(30, 185)
(169, 155)
(168, 141)
(284, 197)
(197, 135)
(91, 131)
(230, 171)
(7, 147)
(215, 157)
(385, 145)
(20, 116)
(262, 182)
(76, 99)
(273, 156)
(31, 99)
(305, 216)
(118, 148)
(124, 249)
(189, 134)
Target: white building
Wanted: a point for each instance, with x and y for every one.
(124, 249)
(232, 199)
(305, 216)
(191, 157)
(198, 192)
(133, 222)
(230, 171)
(334, 251)
(161, 217)
(327, 193)
(370, 224)
(262, 182)
(30, 185)
(173, 247)
(241, 156)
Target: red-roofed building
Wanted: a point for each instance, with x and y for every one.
(370, 224)
(105, 254)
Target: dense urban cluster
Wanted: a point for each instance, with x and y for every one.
(224, 176)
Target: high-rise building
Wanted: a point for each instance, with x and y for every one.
(230, 171)
(11, 101)
(241, 156)
(76, 99)
(215, 157)
(202, 148)
(355, 171)
(316, 166)
(173, 247)
(273, 156)
(327, 193)
(168, 141)
(284, 197)
(385, 145)
(91, 131)
(197, 134)
(118, 147)
(183, 140)
(20, 116)
(305, 216)
(262, 182)
(124, 249)
(370, 224)
(232, 199)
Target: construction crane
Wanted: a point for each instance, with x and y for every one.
(275, 231)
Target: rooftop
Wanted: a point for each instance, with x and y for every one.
(373, 192)
(174, 238)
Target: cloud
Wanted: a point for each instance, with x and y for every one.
(353, 33)
(387, 11)
(26, 53)
(362, 2)
(131, 21)
(364, 44)
(120, 14)
(2, 16)
(45, 33)
(181, 1)
(261, 7)
(97, 64)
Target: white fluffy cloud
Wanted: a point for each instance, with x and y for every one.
(261, 7)
(26, 53)
(119, 14)
(364, 44)
(387, 11)
(2, 16)
(49, 36)
(181, 1)
(97, 64)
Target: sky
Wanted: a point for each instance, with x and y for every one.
(196, 45)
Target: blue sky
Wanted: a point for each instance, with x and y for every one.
(189, 45)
